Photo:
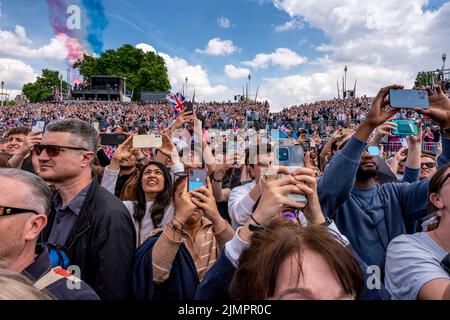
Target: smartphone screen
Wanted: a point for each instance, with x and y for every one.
(196, 179)
(408, 99)
(406, 127)
(37, 125)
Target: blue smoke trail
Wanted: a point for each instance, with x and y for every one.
(98, 23)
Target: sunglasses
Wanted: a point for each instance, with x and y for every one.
(53, 150)
(373, 150)
(9, 211)
(428, 165)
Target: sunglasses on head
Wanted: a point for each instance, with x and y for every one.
(429, 165)
(9, 211)
(53, 150)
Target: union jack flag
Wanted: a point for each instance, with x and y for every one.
(109, 151)
(177, 101)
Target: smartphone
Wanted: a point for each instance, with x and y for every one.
(407, 99)
(406, 127)
(112, 139)
(37, 125)
(188, 106)
(291, 157)
(196, 179)
(147, 141)
(306, 145)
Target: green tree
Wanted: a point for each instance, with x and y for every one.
(143, 71)
(424, 79)
(43, 88)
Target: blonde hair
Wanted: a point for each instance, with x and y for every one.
(15, 286)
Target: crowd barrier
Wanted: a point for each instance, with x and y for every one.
(393, 147)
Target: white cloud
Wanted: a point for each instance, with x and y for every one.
(145, 47)
(293, 24)
(15, 73)
(18, 44)
(296, 89)
(283, 57)
(224, 22)
(218, 47)
(382, 42)
(234, 72)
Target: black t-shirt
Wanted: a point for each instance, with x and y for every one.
(121, 180)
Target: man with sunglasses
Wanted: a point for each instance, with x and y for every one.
(428, 165)
(23, 215)
(87, 225)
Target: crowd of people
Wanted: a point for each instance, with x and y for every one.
(140, 224)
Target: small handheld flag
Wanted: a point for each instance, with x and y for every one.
(177, 101)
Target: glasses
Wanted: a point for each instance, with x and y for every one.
(9, 211)
(428, 165)
(53, 150)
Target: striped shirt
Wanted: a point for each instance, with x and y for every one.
(204, 249)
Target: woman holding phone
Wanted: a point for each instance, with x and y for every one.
(181, 252)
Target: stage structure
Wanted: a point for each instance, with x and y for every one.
(443, 74)
(101, 88)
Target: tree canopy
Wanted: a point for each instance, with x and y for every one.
(43, 88)
(424, 79)
(144, 71)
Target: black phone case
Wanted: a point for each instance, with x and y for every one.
(112, 139)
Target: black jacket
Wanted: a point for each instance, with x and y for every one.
(59, 289)
(102, 243)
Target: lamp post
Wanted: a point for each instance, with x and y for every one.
(345, 80)
(444, 57)
(248, 94)
(186, 86)
(61, 89)
(1, 95)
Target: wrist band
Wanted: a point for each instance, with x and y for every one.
(259, 224)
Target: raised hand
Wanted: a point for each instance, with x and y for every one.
(307, 183)
(439, 109)
(203, 198)
(275, 197)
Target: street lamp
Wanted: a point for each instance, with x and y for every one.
(345, 80)
(444, 57)
(186, 86)
(61, 90)
(1, 95)
(249, 77)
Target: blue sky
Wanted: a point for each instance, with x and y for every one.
(296, 64)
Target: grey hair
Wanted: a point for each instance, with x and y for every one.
(86, 133)
(37, 195)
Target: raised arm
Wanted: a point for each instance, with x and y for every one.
(337, 182)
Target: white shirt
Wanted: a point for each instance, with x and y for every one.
(240, 204)
(147, 223)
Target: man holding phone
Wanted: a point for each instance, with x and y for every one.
(370, 215)
(20, 142)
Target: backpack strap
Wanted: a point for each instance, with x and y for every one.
(54, 275)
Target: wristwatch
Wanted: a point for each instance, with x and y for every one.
(327, 222)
